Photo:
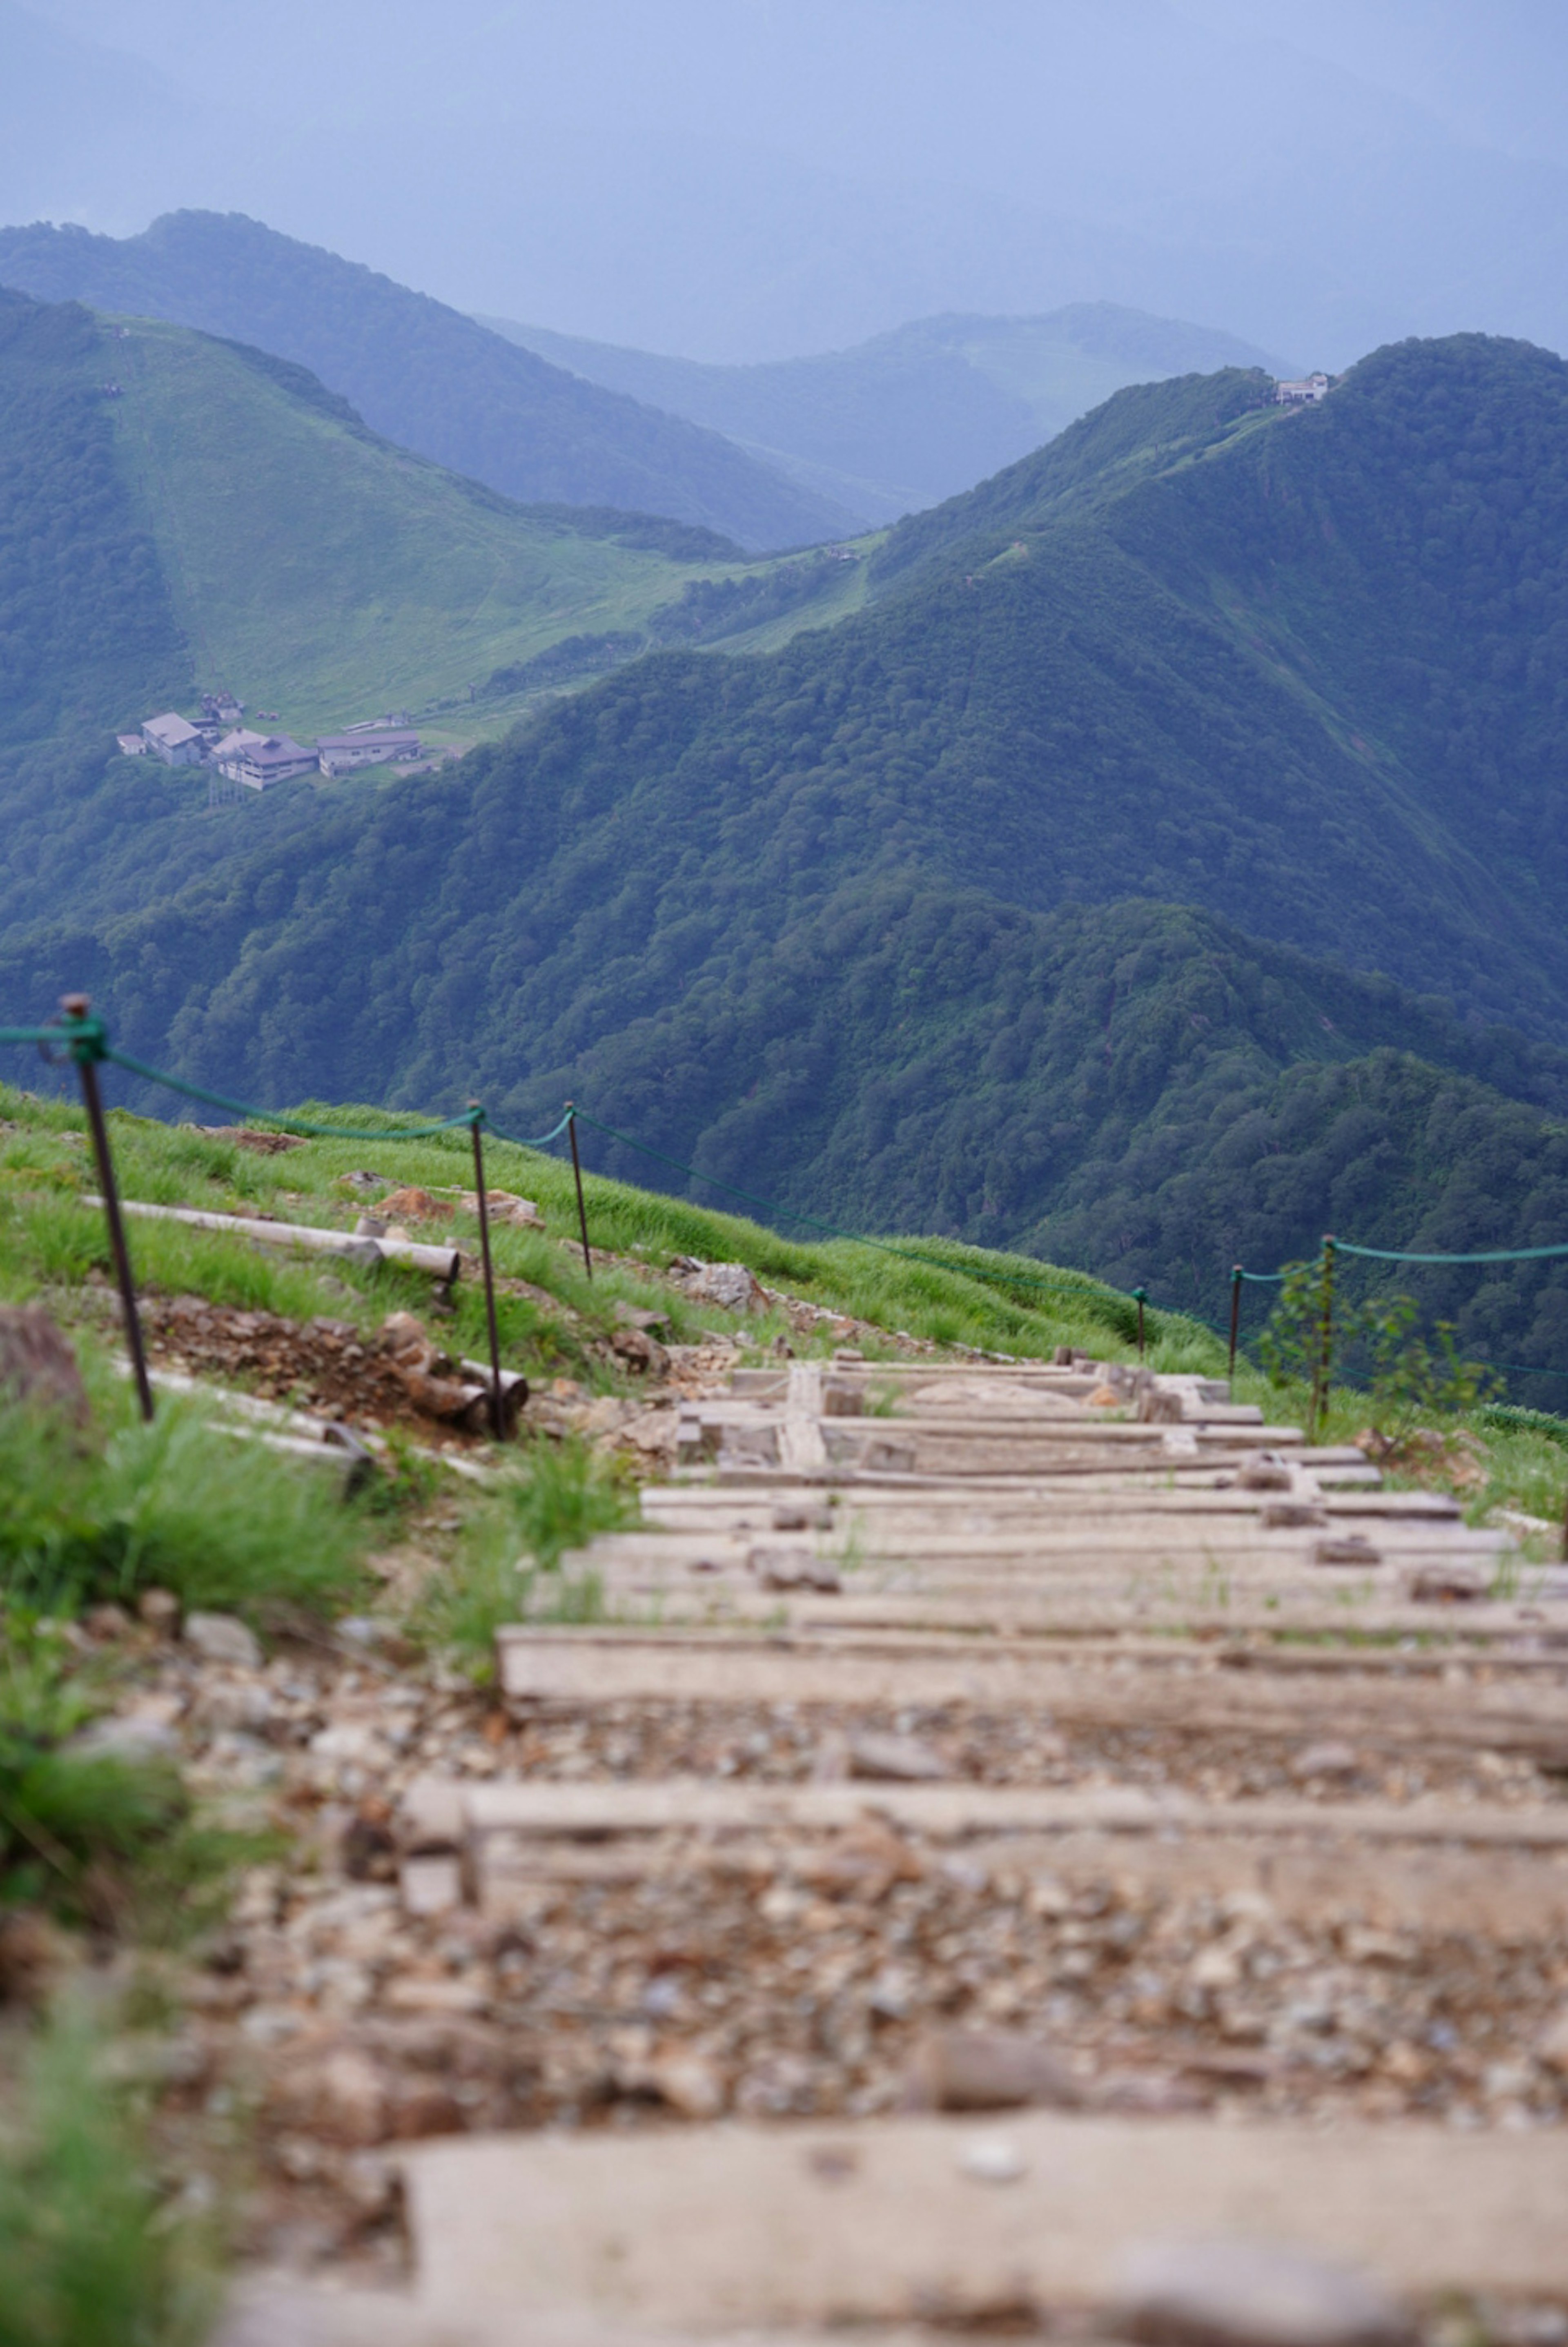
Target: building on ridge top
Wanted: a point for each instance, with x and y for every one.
(1307, 392)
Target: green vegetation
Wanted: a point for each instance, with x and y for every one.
(508, 1567)
(92, 2248)
(426, 376)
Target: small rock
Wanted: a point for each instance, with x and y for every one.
(992, 2159)
(729, 1285)
(159, 1609)
(986, 2070)
(108, 1621)
(433, 1816)
(1243, 2294)
(414, 1205)
(793, 1568)
(224, 1638)
(1447, 1584)
(796, 1516)
(38, 1367)
(894, 1759)
(131, 1738)
(640, 1351)
(1347, 1548)
(1264, 1475)
(350, 2098)
(689, 2083)
(1326, 1759)
(431, 1886)
(369, 2181)
(1552, 2046)
(1290, 1515)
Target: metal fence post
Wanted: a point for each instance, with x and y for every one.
(86, 1049)
(576, 1171)
(1140, 1298)
(1236, 1315)
(497, 1408)
(1324, 1340)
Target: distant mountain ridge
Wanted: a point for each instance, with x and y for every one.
(918, 414)
(424, 375)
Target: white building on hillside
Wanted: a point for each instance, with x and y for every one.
(172, 739)
(365, 745)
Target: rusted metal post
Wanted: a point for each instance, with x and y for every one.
(86, 1049)
(498, 1405)
(1140, 1298)
(577, 1170)
(1236, 1315)
(1325, 1341)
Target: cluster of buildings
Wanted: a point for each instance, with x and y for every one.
(219, 741)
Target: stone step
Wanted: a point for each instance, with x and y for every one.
(1030, 2215)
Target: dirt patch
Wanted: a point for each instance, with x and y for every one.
(325, 1365)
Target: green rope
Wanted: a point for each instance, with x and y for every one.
(32, 1034)
(469, 1117)
(542, 1143)
(1260, 1279)
(1493, 1254)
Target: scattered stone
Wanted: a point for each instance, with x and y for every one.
(1346, 1548)
(689, 2083)
(841, 1399)
(132, 1737)
(1246, 2293)
(108, 1621)
(159, 1609)
(640, 1351)
(731, 1285)
(224, 1638)
(894, 1760)
(1290, 1515)
(38, 1367)
(1441, 1585)
(986, 2070)
(795, 1516)
(1265, 1473)
(431, 1816)
(793, 1568)
(414, 1205)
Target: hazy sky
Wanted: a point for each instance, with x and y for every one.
(747, 179)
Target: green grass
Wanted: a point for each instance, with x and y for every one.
(509, 1562)
(176, 1505)
(91, 2250)
(369, 578)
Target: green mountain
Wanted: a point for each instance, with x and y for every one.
(1034, 902)
(424, 376)
(918, 415)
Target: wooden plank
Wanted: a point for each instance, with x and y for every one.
(951, 1813)
(591, 1668)
(888, 2220)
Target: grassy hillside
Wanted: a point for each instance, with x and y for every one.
(424, 376)
(918, 415)
(318, 569)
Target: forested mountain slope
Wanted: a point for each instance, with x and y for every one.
(425, 376)
(855, 924)
(919, 414)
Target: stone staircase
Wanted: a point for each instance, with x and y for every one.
(1026, 1847)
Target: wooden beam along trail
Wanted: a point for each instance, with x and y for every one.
(966, 1737)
